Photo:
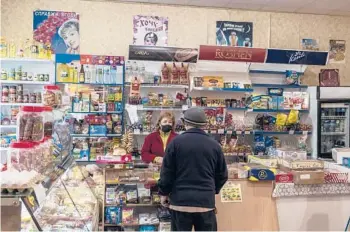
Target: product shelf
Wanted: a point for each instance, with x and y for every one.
(132, 224)
(26, 82)
(95, 112)
(218, 107)
(132, 205)
(8, 126)
(275, 110)
(95, 136)
(156, 108)
(30, 60)
(222, 89)
(282, 132)
(74, 83)
(334, 133)
(272, 72)
(20, 104)
(165, 86)
(280, 86)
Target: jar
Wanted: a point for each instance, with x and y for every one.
(12, 90)
(5, 90)
(32, 98)
(24, 76)
(21, 165)
(52, 96)
(38, 164)
(25, 98)
(48, 121)
(31, 123)
(12, 75)
(3, 75)
(12, 98)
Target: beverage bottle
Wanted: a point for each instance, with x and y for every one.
(75, 75)
(82, 74)
(142, 72)
(3, 47)
(128, 71)
(113, 74)
(106, 74)
(99, 77)
(341, 126)
(87, 74)
(93, 75)
(175, 75)
(183, 75)
(12, 49)
(165, 74)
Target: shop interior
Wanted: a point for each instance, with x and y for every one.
(84, 83)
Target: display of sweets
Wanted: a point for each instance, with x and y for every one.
(25, 49)
(18, 74)
(228, 103)
(292, 77)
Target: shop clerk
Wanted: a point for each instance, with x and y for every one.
(153, 148)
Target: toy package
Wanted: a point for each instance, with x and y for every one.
(113, 215)
(128, 216)
(292, 78)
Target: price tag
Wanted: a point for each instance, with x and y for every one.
(305, 132)
(247, 132)
(140, 107)
(185, 107)
(213, 132)
(206, 131)
(229, 132)
(291, 132)
(137, 131)
(239, 132)
(249, 110)
(221, 131)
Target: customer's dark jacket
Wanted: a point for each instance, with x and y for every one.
(193, 170)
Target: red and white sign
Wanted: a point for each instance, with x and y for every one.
(236, 54)
(284, 178)
(336, 177)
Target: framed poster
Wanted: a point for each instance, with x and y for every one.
(337, 51)
(234, 34)
(329, 78)
(150, 30)
(309, 44)
(231, 192)
(57, 29)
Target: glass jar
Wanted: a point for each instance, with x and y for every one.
(31, 124)
(48, 121)
(52, 96)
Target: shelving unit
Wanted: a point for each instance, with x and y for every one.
(222, 89)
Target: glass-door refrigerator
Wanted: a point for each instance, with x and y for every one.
(333, 122)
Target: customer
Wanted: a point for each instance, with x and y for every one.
(155, 143)
(193, 171)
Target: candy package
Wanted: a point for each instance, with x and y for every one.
(293, 117)
(131, 194)
(259, 142)
(144, 195)
(128, 216)
(292, 77)
(113, 215)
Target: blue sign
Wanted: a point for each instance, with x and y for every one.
(278, 56)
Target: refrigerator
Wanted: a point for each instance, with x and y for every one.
(333, 119)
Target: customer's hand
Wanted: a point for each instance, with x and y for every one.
(164, 200)
(158, 160)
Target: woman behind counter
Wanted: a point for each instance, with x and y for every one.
(153, 148)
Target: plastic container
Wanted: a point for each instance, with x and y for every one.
(48, 121)
(31, 124)
(52, 96)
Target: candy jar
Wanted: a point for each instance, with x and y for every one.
(48, 121)
(52, 96)
(31, 123)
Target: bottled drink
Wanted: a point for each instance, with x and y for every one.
(128, 71)
(75, 75)
(71, 72)
(106, 74)
(99, 77)
(93, 75)
(12, 49)
(87, 74)
(3, 47)
(82, 74)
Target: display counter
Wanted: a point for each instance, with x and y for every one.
(257, 211)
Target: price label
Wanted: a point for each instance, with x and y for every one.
(249, 110)
(305, 132)
(213, 132)
(137, 131)
(247, 132)
(291, 132)
(239, 132)
(229, 132)
(221, 131)
(185, 107)
(206, 131)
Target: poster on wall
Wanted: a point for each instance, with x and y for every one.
(57, 29)
(309, 44)
(337, 51)
(231, 192)
(329, 78)
(234, 33)
(150, 30)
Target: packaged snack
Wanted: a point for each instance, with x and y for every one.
(128, 216)
(131, 194)
(292, 77)
(259, 142)
(275, 91)
(155, 198)
(281, 119)
(113, 215)
(144, 195)
(293, 117)
(164, 227)
(297, 100)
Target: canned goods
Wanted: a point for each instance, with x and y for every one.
(25, 98)
(32, 98)
(4, 98)
(5, 90)
(12, 90)
(228, 85)
(12, 98)
(3, 75)
(24, 76)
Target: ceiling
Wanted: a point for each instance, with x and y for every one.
(328, 7)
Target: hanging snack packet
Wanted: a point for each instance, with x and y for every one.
(293, 117)
(281, 119)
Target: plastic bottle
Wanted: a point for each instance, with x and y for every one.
(128, 71)
(106, 74)
(3, 47)
(82, 74)
(113, 74)
(93, 75)
(87, 74)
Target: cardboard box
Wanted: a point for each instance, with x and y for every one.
(335, 176)
(292, 155)
(288, 164)
(339, 153)
(266, 161)
(283, 177)
(308, 177)
(258, 172)
(237, 171)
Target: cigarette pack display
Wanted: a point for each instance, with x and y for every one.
(291, 154)
(308, 177)
(283, 177)
(266, 161)
(335, 176)
(258, 172)
(301, 164)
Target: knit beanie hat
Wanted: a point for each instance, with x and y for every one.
(195, 116)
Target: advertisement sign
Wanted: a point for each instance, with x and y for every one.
(234, 34)
(150, 30)
(278, 56)
(337, 50)
(231, 192)
(163, 54)
(57, 29)
(238, 54)
(309, 44)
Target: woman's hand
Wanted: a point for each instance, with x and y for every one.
(158, 160)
